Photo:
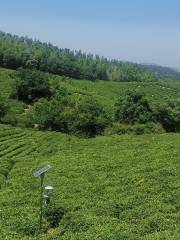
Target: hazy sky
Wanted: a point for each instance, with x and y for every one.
(146, 31)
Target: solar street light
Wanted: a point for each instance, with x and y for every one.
(41, 173)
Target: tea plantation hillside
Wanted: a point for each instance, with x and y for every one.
(118, 187)
(106, 92)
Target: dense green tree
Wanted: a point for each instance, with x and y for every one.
(40, 114)
(31, 85)
(23, 52)
(133, 108)
(74, 113)
(169, 116)
(87, 115)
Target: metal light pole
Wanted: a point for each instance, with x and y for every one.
(41, 173)
(41, 201)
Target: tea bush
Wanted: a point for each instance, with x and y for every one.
(111, 187)
(138, 129)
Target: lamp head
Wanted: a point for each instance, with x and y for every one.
(49, 189)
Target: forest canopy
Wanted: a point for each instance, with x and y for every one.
(16, 52)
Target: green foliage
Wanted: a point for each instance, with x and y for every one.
(133, 108)
(164, 73)
(23, 52)
(73, 113)
(138, 129)
(85, 115)
(3, 107)
(54, 216)
(106, 93)
(169, 115)
(113, 187)
(40, 114)
(31, 85)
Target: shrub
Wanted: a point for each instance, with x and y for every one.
(54, 216)
(148, 128)
(169, 116)
(40, 114)
(31, 85)
(3, 107)
(133, 108)
(74, 113)
(28, 225)
(138, 129)
(11, 119)
(88, 116)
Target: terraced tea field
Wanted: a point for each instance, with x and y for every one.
(118, 187)
(106, 92)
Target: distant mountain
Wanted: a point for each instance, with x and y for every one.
(164, 73)
(177, 69)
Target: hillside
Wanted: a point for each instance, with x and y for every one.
(164, 73)
(24, 52)
(18, 52)
(177, 69)
(60, 109)
(106, 92)
(110, 187)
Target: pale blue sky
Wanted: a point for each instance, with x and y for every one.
(146, 31)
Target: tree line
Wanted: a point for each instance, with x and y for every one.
(60, 109)
(16, 52)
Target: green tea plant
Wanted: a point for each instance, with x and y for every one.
(109, 187)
